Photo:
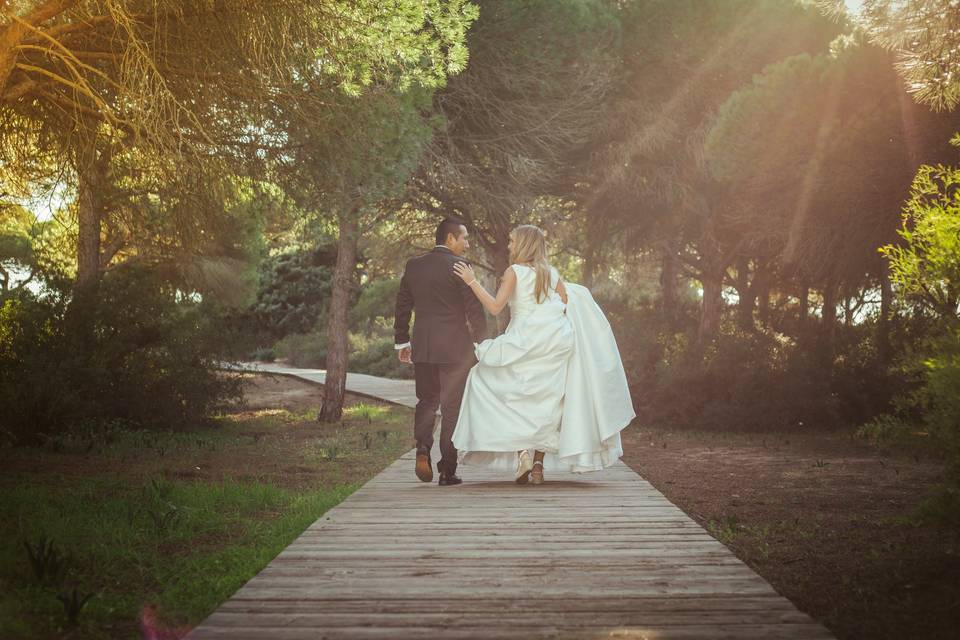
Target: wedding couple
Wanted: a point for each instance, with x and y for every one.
(552, 383)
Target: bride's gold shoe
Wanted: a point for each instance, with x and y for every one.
(524, 467)
(536, 474)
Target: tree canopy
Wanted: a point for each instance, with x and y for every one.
(86, 84)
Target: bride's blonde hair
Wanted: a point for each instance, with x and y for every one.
(530, 247)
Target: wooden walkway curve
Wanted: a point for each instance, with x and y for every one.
(401, 392)
(596, 556)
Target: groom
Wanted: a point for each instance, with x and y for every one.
(442, 349)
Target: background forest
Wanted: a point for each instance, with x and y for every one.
(762, 194)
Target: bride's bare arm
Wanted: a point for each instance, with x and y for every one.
(562, 290)
(494, 305)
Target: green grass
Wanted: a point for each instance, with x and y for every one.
(725, 530)
(225, 533)
(139, 537)
(366, 411)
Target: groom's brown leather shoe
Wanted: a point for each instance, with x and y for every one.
(449, 479)
(424, 469)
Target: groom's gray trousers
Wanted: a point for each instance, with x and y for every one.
(439, 385)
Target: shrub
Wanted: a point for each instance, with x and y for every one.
(939, 397)
(375, 304)
(374, 354)
(933, 406)
(263, 354)
(303, 349)
(294, 291)
(131, 349)
(32, 348)
(885, 430)
(745, 381)
(370, 353)
(371, 340)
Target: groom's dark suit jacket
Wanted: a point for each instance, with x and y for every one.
(444, 305)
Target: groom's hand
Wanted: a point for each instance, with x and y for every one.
(405, 355)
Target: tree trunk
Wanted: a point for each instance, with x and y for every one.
(91, 173)
(711, 309)
(803, 310)
(829, 322)
(712, 271)
(500, 257)
(10, 37)
(589, 265)
(745, 309)
(669, 270)
(746, 294)
(763, 303)
(337, 329)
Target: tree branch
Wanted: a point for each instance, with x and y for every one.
(49, 10)
(20, 89)
(79, 88)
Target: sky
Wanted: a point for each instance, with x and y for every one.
(853, 6)
(44, 205)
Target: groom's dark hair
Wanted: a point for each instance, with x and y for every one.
(447, 226)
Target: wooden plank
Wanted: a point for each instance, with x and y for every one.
(572, 528)
(517, 551)
(470, 604)
(598, 555)
(539, 629)
(350, 586)
(522, 553)
(332, 619)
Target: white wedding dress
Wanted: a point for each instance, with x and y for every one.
(552, 382)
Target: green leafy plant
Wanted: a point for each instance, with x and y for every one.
(48, 563)
(158, 489)
(367, 411)
(885, 429)
(131, 511)
(725, 529)
(165, 518)
(73, 604)
(926, 265)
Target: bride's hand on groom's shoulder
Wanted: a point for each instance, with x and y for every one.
(465, 271)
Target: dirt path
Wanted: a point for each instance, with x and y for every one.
(264, 391)
(828, 520)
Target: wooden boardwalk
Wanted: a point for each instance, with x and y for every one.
(596, 556)
(396, 391)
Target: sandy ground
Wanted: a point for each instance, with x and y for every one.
(262, 391)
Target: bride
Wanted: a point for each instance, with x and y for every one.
(553, 382)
